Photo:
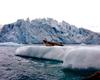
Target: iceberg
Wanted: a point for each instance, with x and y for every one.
(54, 52)
(81, 57)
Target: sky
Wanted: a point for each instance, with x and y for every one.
(82, 13)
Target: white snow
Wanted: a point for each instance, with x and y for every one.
(72, 56)
(9, 44)
(1, 26)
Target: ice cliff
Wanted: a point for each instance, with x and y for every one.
(34, 31)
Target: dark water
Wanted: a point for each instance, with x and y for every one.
(20, 68)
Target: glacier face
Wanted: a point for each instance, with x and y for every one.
(29, 32)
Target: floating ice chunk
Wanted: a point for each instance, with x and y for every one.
(54, 52)
(83, 57)
(72, 56)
